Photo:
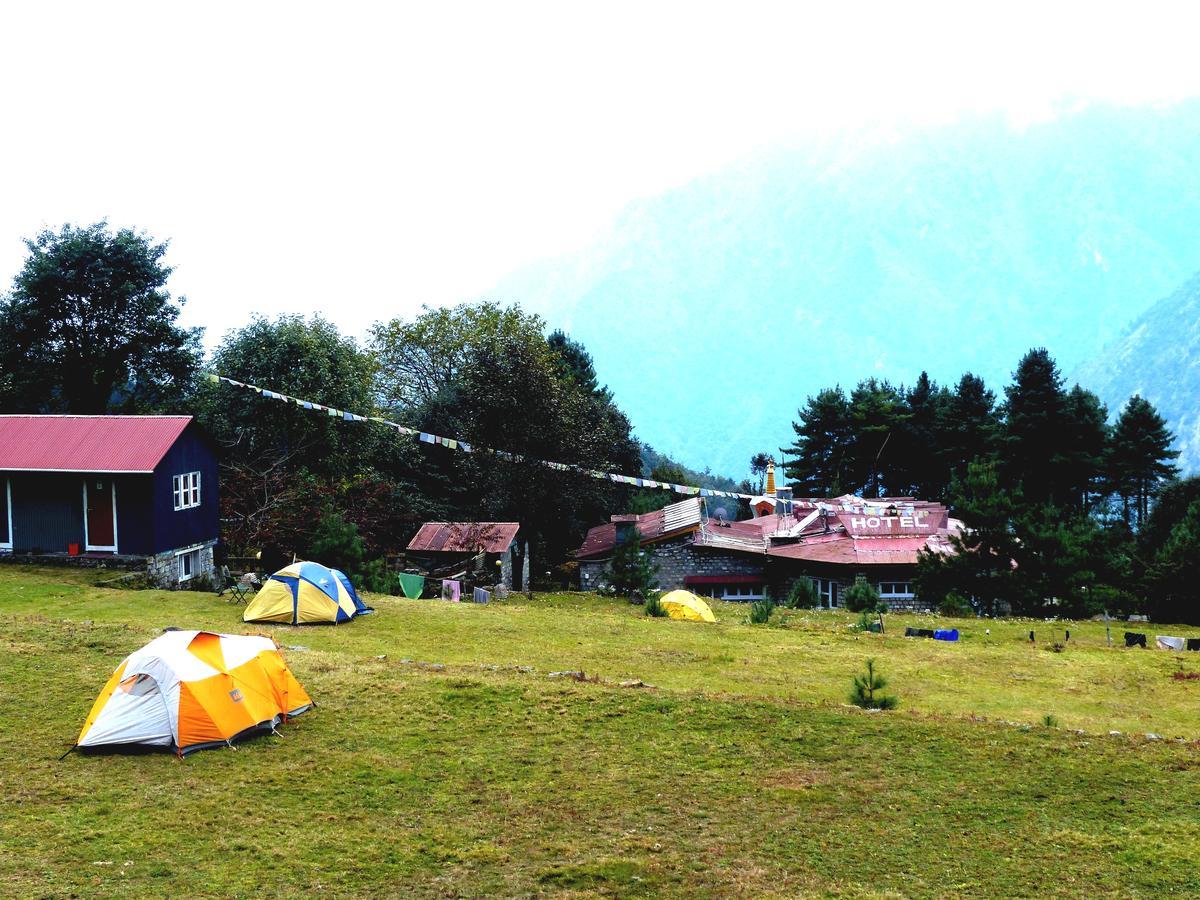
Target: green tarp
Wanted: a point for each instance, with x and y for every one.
(412, 585)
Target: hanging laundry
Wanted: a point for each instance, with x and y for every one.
(451, 590)
(1165, 642)
(481, 596)
(412, 586)
(1133, 639)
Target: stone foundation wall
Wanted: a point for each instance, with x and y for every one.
(674, 560)
(165, 569)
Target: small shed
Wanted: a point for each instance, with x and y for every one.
(110, 487)
(476, 547)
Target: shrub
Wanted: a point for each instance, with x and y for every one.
(868, 620)
(803, 595)
(376, 578)
(631, 568)
(760, 611)
(955, 604)
(654, 606)
(867, 690)
(1050, 721)
(335, 543)
(861, 596)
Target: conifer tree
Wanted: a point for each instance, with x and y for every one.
(821, 454)
(1085, 435)
(969, 428)
(1034, 437)
(631, 568)
(1140, 458)
(877, 413)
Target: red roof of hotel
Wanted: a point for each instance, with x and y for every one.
(650, 526)
(87, 443)
(464, 537)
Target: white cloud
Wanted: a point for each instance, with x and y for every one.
(360, 161)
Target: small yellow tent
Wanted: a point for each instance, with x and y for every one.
(686, 605)
(302, 594)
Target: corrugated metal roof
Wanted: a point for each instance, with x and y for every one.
(87, 443)
(464, 537)
(676, 518)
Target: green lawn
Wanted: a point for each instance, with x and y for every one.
(454, 765)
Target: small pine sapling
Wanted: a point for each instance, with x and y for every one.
(868, 690)
(803, 595)
(654, 607)
(760, 611)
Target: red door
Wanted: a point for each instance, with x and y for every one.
(101, 521)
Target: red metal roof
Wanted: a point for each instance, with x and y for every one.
(650, 526)
(464, 537)
(87, 443)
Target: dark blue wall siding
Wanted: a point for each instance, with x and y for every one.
(135, 516)
(182, 528)
(47, 511)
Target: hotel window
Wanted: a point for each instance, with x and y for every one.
(895, 590)
(827, 590)
(186, 490)
(732, 592)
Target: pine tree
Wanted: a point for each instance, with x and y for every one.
(1174, 577)
(917, 466)
(821, 455)
(1085, 433)
(877, 414)
(1034, 438)
(982, 564)
(1140, 458)
(969, 427)
(868, 690)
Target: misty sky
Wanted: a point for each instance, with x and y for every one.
(360, 161)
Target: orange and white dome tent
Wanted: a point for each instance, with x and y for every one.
(187, 690)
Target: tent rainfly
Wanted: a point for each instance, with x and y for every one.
(188, 690)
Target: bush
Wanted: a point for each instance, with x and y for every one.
(861, 596)
(376, 578)
(654, 606)
(868, 620)
(760, 611)
(955, 604)
(867, 690)
(631, 568)
(335, 543)
(803, 595)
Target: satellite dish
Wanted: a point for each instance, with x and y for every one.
(719, 514)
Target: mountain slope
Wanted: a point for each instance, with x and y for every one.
(1158, 356)
(713, 310)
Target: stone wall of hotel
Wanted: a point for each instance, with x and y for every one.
(679, 558)
(674, 560)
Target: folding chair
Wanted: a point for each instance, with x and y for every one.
(236, 588)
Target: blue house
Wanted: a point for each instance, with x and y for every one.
(100, 487)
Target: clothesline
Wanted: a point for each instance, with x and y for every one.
(465, 447)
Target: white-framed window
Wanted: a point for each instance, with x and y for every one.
(827, 590)
(188, 562)
(895, 590)
(186, 490)
(732, 591)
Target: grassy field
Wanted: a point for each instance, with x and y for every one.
(443, 759)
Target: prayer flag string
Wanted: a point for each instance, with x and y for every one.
(465, 447)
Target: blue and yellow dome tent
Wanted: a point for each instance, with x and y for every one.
(361, 609)
(303, 593)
